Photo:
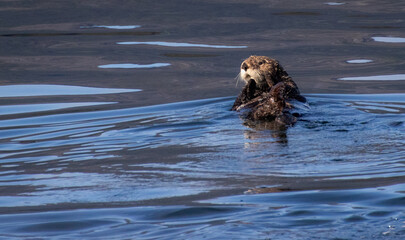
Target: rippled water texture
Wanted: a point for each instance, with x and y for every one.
(115, 121)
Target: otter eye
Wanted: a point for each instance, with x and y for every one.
(260, 63)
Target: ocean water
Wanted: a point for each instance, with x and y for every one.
(115, 121)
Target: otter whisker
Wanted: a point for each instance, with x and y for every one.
(238, 78)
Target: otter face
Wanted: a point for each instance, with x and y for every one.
(257, 68)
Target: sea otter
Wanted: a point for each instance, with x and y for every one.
(269, 91)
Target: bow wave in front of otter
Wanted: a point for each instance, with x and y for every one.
(269, 94)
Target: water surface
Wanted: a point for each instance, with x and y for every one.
(133, 65)
(389, 39)
(176, 44)
(115, 121)
(31, 90)
(391, 77)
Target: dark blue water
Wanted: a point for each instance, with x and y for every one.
(345, 214)
(115, 121)
(200, 154)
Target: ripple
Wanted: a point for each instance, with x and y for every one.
(359, 61)
(57, 34)
(132, 65)
(126, 27)
(390, 77)
(380, 107)
(28, 108)
(197, 145)
(388, 97)
(188, 55)
(335, 3)
(297, 13)
(336, 219)
(30, 90)
(389, 39)
(177, 44)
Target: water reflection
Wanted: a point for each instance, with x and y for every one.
(390, 77)
(359, 61)
(189, 55)
(277, 130)
(297, 13)
(30, 108)
(176, 162)
(61, 34)
(30, 90)
(335, 3)
(120, 27)
(178, 44)
(389, 39)
(380, 107)
(368, 213)
(202, 144)
(392, 97)
(132, 65)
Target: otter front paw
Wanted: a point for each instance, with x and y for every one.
(247, 94)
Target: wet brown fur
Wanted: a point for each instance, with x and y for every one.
(267, 92)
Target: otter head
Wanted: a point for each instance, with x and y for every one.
(266, 72)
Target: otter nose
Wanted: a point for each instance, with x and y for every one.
(244, 66)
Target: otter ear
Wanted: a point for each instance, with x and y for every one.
(279, 72)
(274, 74)
(276, 66)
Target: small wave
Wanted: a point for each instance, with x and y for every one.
(389, 39)
(388, 97)
(391, 77)
(30, 108)
(30, 90)
(334, 3)
(380, 107)
(132, 65)
(177, 44)
(198, 144)
(120, 27)
(359, 61)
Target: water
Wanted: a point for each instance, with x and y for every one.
(131, 65)
(176, 44)
(359, 61)
(392, 77)
(112, 27)
(33, 90)
(100, 139)
(389, 39)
